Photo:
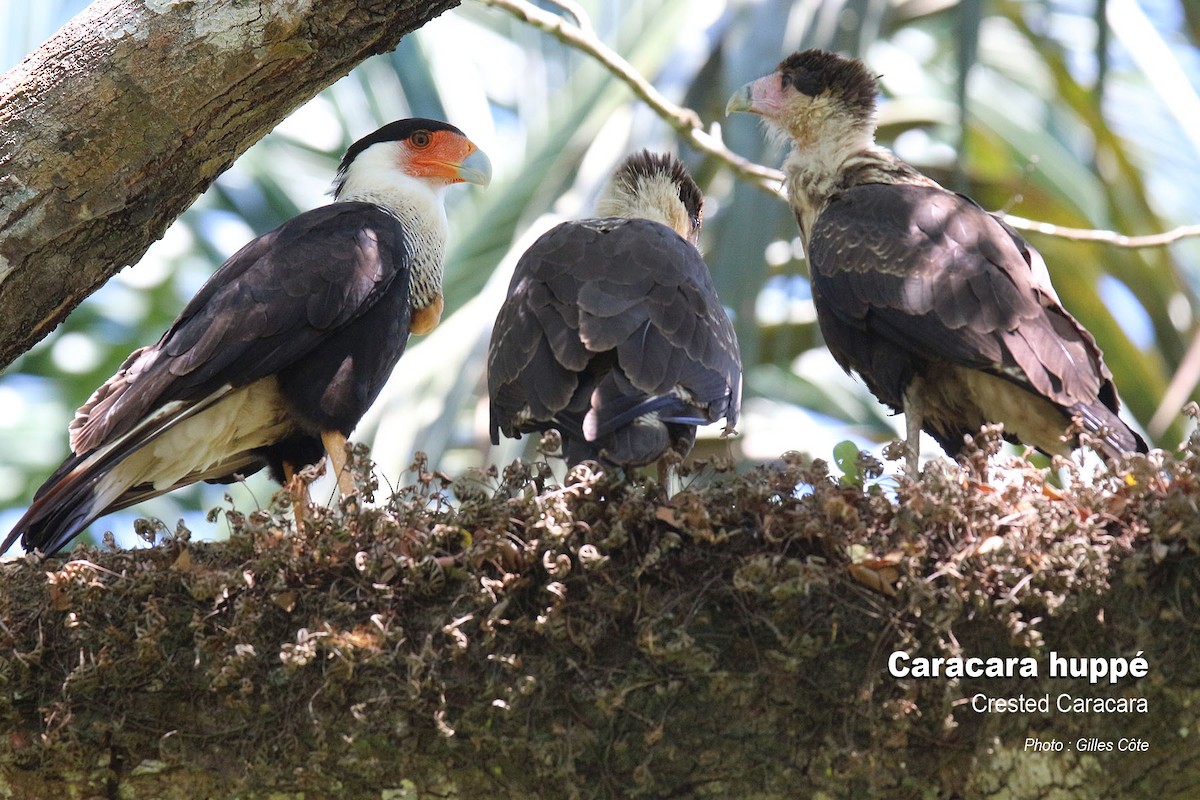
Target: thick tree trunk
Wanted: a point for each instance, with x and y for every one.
(593, 641)
(110, 129)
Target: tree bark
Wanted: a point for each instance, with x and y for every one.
(594, 641)
(114, 126)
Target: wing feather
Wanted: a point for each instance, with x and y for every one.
(272, 303)
(955, 285)
(907, 274)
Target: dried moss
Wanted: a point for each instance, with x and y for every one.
(591, 639)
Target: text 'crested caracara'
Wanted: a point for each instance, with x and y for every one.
(612, 332)
(944, 310)
(279, 355)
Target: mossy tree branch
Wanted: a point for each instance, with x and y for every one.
(592, 640)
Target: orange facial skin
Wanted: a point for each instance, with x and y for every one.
(447, 157)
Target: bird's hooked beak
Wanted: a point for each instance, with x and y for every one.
(764, 96)
(475, 168)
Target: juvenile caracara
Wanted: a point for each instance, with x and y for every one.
(944, 310)
(612, 332)
(279, 355)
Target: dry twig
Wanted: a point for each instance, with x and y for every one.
(684, 121)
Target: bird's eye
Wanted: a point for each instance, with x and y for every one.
(809, 83)
(421, 139)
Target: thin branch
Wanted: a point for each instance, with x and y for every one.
(1107, 237)
(684, 121)
(1179, 390)
(582, 21)
(687, 123)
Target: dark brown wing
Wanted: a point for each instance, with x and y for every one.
(326, 286)
(908, 274)
(608, 321)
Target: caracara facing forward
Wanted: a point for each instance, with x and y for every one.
(942, 308)
(612, 332)
(279, 355)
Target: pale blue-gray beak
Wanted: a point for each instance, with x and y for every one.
(475, 168)
(741, 100)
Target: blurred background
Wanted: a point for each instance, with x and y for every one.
(1080, 113)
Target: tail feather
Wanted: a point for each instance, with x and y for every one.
(647, 439)
(1115, 438)
(62, 508)
(605, 419)
(616, 403)
(627, 426)
(73, 497)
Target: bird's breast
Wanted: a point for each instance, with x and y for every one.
(959, 399)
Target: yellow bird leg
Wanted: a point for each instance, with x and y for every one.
(912, 425)
(299, 491)
(335, 448)
(426, 319)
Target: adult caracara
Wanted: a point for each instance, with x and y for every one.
(942, 308)
(612, 332)
(282, 351)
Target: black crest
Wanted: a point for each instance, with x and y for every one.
(393, 132)
(814, 72)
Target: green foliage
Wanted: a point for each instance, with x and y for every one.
(857, 466)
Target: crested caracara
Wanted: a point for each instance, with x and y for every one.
(279, 355)
(942, 308)
(612, 332)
